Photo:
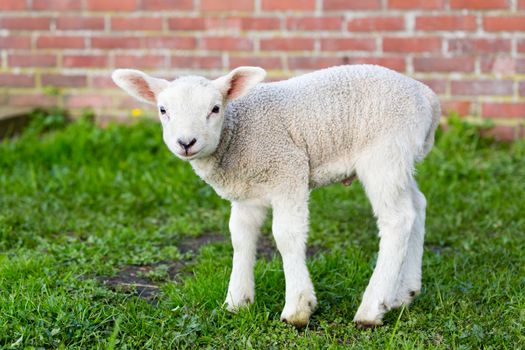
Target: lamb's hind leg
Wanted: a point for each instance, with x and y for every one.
(388, 187)
(410, 285)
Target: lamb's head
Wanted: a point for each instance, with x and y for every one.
(190, 108)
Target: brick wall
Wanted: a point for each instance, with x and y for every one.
(471, 52)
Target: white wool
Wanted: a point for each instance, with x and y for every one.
(271, 143)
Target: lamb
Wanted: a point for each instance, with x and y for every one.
(263, 145)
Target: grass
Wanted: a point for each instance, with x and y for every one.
(81, 205)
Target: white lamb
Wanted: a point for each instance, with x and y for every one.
(269, 144)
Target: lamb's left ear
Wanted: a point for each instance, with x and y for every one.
(139, 84)
(239, 81)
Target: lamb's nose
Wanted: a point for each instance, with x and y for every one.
(186, 145)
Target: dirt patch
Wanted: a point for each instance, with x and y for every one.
(193, 244)
(130, 280)
(144, 280)
(12, 121)
(266, 248)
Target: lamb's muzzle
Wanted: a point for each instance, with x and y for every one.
(263, 145)
(186, 145)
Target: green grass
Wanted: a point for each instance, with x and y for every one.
(79, 205)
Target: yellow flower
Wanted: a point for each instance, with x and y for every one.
(136, 112)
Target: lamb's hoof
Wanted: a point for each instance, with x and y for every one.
(371, 315)
(299, 314)
(367, 324)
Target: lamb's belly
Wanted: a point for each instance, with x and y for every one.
(331, 172)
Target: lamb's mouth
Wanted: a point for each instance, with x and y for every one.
(188, 155)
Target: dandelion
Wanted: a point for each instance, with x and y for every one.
(136, 112)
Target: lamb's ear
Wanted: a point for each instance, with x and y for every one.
(239, 81)
(139, 85)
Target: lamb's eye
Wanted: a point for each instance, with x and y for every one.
(215, 109)
(162, 110)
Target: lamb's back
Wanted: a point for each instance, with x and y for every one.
(337, 110)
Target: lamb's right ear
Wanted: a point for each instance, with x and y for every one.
(139, 85)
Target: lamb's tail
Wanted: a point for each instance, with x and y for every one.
(436, 115)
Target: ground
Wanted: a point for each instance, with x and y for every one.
(108, 241)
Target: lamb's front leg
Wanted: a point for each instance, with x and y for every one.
(245, 223)
(290, 229)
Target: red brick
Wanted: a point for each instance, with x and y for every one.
(115, 42)
(61, 80)
(314, 23)
(223, 43)
(479, 4)
(372, 24)
(503, 110)
(312, 63)
(478, 45)
(136, 23)
(267, 62)
(128, 103)
(197, 62)
(442, 22)
(461, 107)
(335, 5)
(504, 23)
(391, 44)
(102, 82)
(32, 100)
(170, 5)
(444, 64)
(25, 23)
(348, 44)
(222, 24)
(521, 5)
(260, 23)
(501, 65)
(395, 63)
(438, 86)
(521, 89)
(416, 4)
(15, 42)
(80, 23)
(31, 60)
(56, 5)
(287, 44)
(481, 87)
(521, 45)
(59, 42)
(17, 80)
(520, 65)
(503, 132)
(12, 5)
(280, 5)
(186, 23)
(105, 5)
(228, 5)
(85, 61)
(144, 61)
(89, 100)
(170, 42)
